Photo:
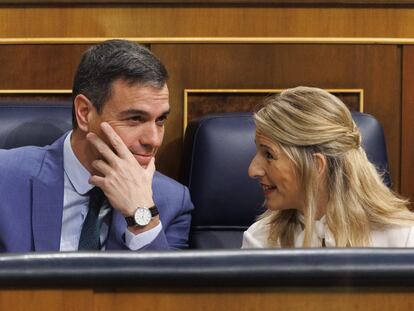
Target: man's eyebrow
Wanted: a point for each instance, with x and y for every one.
(166, 113)
(134, 112)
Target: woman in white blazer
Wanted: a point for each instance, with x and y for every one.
(320, 189)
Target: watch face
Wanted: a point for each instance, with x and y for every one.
(142, 216)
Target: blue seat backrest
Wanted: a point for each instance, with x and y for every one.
(217, 152)
(33, 123)
(373, 141)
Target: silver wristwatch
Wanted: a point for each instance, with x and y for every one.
(142, 216)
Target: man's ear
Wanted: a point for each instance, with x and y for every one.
(83, 107)
(320, 160)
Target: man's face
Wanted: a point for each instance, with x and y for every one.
(137, 113)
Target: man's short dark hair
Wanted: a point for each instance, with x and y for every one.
(104, 63)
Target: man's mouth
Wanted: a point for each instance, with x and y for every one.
(143, 158)
(149, 155)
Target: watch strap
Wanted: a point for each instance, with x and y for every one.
(130, 220)
(154, 211)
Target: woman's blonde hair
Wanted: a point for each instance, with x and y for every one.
(305, 121)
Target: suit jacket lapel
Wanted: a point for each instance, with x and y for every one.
(47, 202)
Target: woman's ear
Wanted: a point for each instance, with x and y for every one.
(320, 160)
(83, 107)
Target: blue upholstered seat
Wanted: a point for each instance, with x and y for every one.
(217, 153)
(218, 150)
(32, 123)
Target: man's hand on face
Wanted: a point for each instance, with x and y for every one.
(126, 184)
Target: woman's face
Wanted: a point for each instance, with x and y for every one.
(277, 175)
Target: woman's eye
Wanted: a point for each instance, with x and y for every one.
(269, 156)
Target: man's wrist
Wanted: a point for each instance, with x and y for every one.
(141, 239)
(142, 216)
(140, 229)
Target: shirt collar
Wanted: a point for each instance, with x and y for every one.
(321, 232)
(77, 174)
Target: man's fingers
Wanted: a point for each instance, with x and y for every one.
(102, 167)
(98, 181)
(115, 141)
(101, 147)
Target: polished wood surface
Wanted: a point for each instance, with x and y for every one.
(215, 2)
(198, 103)
(204, 21)
(214, 40)
(39, 67)
(407, 135)
(215, 299)
(259, 299)
(45, 300)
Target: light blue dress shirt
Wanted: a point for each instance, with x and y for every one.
(75, 207)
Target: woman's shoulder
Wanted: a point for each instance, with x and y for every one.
(256, 236)
(393, 236)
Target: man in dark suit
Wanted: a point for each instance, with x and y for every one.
(120, 105)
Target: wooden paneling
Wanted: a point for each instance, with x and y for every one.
(47, 300)
(205, 21)
(259, 299)
(192, 2)
(223, 299)
(376, 69)
(407, 135)
(200, 103)
(39, 66)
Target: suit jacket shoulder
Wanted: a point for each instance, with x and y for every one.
(31, 188)
(170, 196)
(21, 162)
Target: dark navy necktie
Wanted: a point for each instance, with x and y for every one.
(90, 234)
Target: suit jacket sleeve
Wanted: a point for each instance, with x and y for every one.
(176, 228)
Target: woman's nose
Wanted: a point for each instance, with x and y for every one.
(255, 169)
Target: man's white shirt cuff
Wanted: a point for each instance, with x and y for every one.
(138, 241)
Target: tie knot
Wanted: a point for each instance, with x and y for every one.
(96, 197)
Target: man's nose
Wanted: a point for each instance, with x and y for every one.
(152, 135)
(255, 169)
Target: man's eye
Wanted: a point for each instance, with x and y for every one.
(137, 118)
(161, 121)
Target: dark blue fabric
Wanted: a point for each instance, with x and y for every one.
(91, 227)
(337, 268)
(217, 153)
(373, 141)
(30, 123)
